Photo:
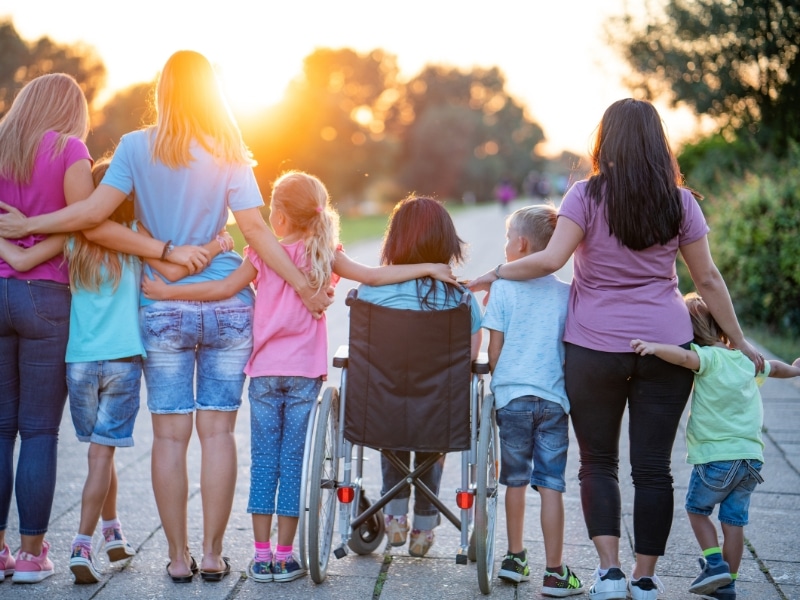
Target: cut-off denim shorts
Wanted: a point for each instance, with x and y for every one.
(728, 483)
(534, 439)
(104, 400)
(214, 337)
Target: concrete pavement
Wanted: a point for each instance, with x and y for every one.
(770, 570)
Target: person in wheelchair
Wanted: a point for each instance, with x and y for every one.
(526, 321)
(420, 230)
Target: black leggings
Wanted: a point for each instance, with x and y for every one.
(599, 386)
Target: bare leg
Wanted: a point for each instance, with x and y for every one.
(32, 544)
(607, 547)
(287, 527)
(645, 566)
(262, 527)
(552, 519)
(171, 435)
(217, 480)
(704, 530)
(109, 511)
(96, 488)
(733, 546)
(515, 517)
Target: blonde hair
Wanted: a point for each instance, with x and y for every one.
(535, 223)
(52, 102)
(307, 206)
(190, 106)
(707, 331)
(90, 264)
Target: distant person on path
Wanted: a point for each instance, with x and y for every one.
(626, 225)
(723, 438)
(289, 359)
(525, 320)
(505, 193)
(420, 230)
(189, 170)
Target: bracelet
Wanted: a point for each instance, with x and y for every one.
(223, 244)
(497, 271)
(168, 247)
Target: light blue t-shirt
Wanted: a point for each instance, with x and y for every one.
(531, 315)
(405, 295)
(104, 324)
(188, 205)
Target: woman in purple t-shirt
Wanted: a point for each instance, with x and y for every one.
(626, 224)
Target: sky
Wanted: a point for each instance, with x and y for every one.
(551, 52)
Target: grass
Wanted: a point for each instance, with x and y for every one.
(785, 347)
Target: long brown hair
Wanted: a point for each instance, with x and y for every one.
(420, 230)
(635, 174)
(52, 102)
(90, 264)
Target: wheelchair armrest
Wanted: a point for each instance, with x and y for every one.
(480, 366)
(340, 358)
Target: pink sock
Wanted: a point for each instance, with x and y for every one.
(283, 553)
(263, 552)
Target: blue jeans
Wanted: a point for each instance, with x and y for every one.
(729, 483)
(279, 409)
(534, 439)
(104, 400)
(217, 337)
(34, 327)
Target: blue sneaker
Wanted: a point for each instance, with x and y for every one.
(261, 571)
(287, 570)
(710, 578)
(726, 592)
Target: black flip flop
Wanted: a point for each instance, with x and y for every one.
(182, 578)
(217, 575)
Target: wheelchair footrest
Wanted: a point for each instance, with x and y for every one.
(461, 559)
(340, 552)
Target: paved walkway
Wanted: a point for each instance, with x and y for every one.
(770, 570)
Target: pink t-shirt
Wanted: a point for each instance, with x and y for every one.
(287, 340)
(44, 194)
(619, 294)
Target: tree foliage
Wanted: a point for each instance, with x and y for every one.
(21, 61)
(126, 111)
(735, 60)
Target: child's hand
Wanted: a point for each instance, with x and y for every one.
(443, 272)
(643, 348)
(796, 363)
(155, 288)
(225, 240)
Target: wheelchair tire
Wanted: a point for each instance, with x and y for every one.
(486, 495)
(323, 480)
(370, 534)
(302, 522)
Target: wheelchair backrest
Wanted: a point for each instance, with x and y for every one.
(408, 377)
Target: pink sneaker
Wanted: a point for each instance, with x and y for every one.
(33, 569)
(6, 563)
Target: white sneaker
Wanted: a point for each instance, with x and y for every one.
(610, 586)
(645, 588)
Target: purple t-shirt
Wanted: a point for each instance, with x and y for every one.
(44, 194)
(619, 294)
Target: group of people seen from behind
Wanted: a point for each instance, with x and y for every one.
(119, 268)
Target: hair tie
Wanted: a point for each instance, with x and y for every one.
(319, 209)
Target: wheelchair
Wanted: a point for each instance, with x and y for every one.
(407, 384)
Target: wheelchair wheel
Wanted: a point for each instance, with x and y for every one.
(486, 496)
(323, 479)
(302, 523)
(370, 534)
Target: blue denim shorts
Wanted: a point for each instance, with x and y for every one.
(216, 338)
(727, 483)
(104, 400)
(534, 438)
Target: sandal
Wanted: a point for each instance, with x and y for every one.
(193, 568)
(217, 575)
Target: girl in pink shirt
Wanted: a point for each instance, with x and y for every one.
(289, 359)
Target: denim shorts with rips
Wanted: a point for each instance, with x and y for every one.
(729, 483)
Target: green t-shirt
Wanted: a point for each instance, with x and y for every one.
(726, 414)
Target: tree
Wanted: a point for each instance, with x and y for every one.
(735, 60)
(461, 132)
(126, 111)
(21, 61)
